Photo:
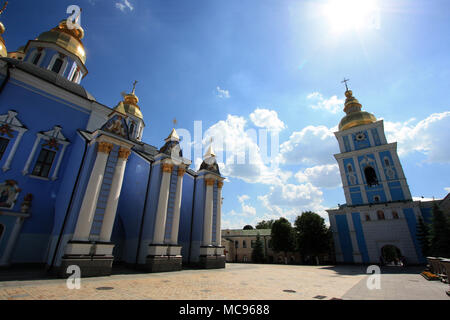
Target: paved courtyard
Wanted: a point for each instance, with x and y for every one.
(237, 281)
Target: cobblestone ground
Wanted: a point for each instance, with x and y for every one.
(237, 281)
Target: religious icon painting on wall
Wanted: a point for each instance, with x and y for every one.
(9, 191)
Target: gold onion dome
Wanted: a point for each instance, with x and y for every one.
(3, 51)
(66, 38)
(355, 117)
(129, 105)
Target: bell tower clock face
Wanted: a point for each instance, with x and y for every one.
(360, 136)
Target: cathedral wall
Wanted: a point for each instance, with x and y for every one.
(184, 233)
(344, 237)
(199, 215)
(38, 112)
(131, 205)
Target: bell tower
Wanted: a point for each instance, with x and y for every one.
(370, 167)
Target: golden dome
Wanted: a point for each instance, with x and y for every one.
(355, 117)
(69, 39)
(129, 105)
(3, 51)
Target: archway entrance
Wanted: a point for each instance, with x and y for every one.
(391, 256)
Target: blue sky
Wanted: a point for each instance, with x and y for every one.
(238, 65)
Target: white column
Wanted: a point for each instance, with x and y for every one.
(58, 164)
(87, 210)
(219, 213)
(8, 161)
(207, 221)
(383, 177)
(352, 143)
(11, 242)
(177, 207)
(114, 194)
(360, 179)
(161, 213)
(30, 157)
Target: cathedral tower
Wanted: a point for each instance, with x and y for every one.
(379, 215)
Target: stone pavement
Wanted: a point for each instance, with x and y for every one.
(237, 281)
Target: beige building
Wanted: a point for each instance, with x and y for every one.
(239, 246)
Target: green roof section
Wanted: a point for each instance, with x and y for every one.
(245, 233)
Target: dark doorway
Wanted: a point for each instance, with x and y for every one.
(391, 256)
(371, 176)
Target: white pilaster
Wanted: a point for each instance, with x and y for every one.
(161, 213)
(352, 143)
(177, 207)
(383, 177)
(8, 161)
(207, 222)
(360, 179)
(30, 157)
(114, 194)
(58, 164)
(5, 260)
(87, 210)
(219, 214)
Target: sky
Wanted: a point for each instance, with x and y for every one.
(246, 70)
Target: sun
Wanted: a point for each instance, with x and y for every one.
(344, 15)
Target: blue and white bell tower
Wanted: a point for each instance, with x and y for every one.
(379, 218)
(370, 168)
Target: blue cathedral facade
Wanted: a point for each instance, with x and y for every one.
(78, 186)
(379, 212)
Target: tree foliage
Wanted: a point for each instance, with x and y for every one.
(258, 250)
(282, 235)
(424, 237)
(440, 233)
(313, 237)
(265, 224)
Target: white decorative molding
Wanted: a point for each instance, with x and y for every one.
(13, 123)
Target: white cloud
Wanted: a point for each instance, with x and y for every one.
(332, 104)
(122, 6)
(447, 189)
(265, 118)
(324, 176)
(429, 136)
(222, 93)
(290, 200)
(312, 145)
(239, 155)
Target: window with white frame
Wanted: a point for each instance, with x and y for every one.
(11, 132)
(36, 57)
(51, 146)
(58, 63)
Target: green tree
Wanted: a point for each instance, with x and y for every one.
(312, 236)
(282, 235)
(264, 224)
(440, 233)
(248, 227)
(423, 235)
(258, 250)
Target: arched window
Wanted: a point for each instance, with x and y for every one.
(395, 215)
(244, 244)
(57, 65)
(367, 217)
(36, 58)
(3, 145)
(380, 215)
(236, 244)
(350, 168)
(371, 176)
(132, 127)
(75, 75)
(386, 162)
(2, 229)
